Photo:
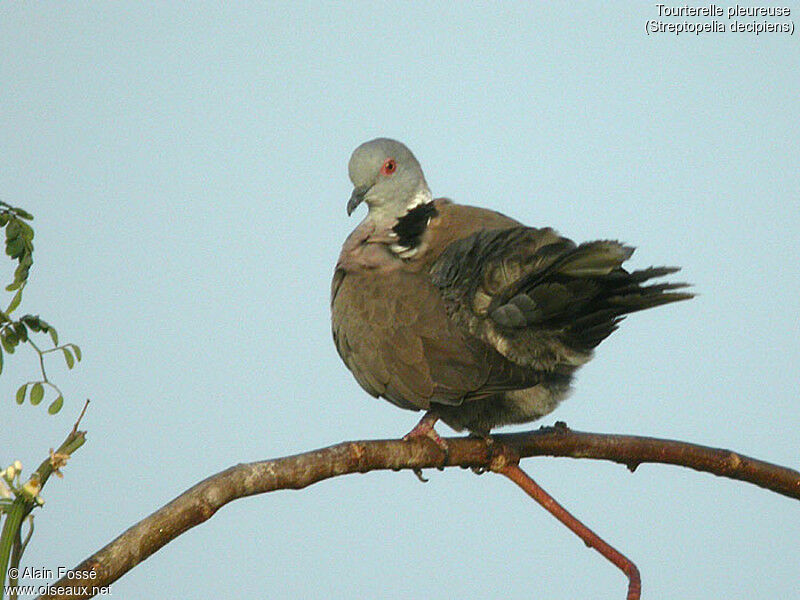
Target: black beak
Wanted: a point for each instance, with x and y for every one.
(356, 198)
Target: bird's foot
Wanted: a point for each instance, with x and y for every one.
(489, 446)
(425, 429)
(557, 427)
(499, 456)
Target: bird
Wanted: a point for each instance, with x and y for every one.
(465, 313)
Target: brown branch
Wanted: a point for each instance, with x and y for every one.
(590, 538)
(200, 502)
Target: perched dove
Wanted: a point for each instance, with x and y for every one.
(466, 313)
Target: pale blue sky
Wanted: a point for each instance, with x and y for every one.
(187, 170)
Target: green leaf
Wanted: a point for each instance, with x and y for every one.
(76, 350)
(12, 229)
(24, 214)
(22, 331)
(68, 357)
(15, 247)
(25, 264)
(15, 301)
(53, 335)
(26, 231)
(12, 286)
(37, 393)
(21, 273)
(56, 405)
(1, 361)
(21, 393)
(6, 340)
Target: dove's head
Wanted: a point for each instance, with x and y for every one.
(387, 177)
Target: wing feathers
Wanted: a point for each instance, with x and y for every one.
(539, 299)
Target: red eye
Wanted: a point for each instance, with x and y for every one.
(389, 166)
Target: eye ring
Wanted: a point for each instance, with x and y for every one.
(389, 166)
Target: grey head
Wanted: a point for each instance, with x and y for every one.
(388, 178)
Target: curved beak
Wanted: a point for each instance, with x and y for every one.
(356, 198)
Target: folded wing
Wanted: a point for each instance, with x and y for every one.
(539, 299)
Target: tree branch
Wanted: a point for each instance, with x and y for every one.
(200, 502)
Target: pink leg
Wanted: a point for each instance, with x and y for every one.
(589, 537)
(425, 429)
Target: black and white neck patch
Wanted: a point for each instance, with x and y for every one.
(410, 227)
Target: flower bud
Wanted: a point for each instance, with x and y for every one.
(31, 488)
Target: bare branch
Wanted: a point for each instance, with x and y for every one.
(200, 502)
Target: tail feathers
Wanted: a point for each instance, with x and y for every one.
(584, 294)
(644, 274)
(629, 292)
(593, 259)
(591, 329)
(602, 315)
(636, 302)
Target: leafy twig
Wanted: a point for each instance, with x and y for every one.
(27, 498)
(19, 247)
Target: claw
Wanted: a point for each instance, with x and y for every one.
(418, 473)
(424, 429)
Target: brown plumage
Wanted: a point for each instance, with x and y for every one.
(467, 313)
